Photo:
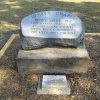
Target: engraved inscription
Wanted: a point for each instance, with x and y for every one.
(52, 24)
(52, 27)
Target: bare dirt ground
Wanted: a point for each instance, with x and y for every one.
(13, 86)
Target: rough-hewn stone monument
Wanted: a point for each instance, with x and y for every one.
(51, 28)
(57, 32)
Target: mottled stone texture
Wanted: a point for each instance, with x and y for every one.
(53, 60)
(29, 43)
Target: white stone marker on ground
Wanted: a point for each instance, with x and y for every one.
(54, 84)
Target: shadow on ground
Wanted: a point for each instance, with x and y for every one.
(12, 12)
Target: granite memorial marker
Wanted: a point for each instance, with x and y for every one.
(50, 28)
(47, 41)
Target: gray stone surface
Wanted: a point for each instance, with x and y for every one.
(49, 28)
(53, 84)
(53, 60)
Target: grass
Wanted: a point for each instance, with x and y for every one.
(12, 11)
(79, 1)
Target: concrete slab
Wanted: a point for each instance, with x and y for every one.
(53, 53)
(5, 47)
(53, 60)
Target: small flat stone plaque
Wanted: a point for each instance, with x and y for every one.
(54, 84)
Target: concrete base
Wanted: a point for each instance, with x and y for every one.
(53, 60)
